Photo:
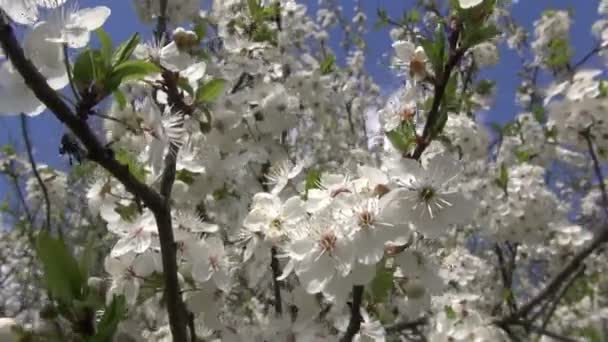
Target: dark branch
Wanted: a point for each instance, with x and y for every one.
(354, 324)
(276, 272)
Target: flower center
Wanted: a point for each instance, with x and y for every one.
(417, 67)
(328, 241)
(366, 219)
(276, 224)
(427, 193)
(214, 262)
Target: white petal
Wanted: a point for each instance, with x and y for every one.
(91, 18)
(404, 50)
(301, 248)
(202, 270)
(469, 3)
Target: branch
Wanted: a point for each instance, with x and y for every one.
(543, 331)
(597, 168)
(559, 297)
(98, 153)
(506, 271)
(276, 272)
(407, 325)
(161, 24)
(354, 323)
(588, 56)
(437, 99)
(45, 191)
(556, 283)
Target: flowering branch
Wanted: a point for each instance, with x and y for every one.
(100, 154)
(456, 55)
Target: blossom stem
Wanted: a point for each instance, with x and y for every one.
(354, 324)
(45, 191)
(68, 70)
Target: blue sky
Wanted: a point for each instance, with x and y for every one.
(46, 131)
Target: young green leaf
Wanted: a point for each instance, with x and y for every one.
(327, 66)
(382, 284)
(89, 67)
(113, 314)
(63, 278)
(106, 45)
(211, 90)
(130, 70)
(125, 50)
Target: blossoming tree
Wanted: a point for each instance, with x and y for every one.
(230, 181)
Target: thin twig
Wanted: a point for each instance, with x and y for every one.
(559, 297)
(30, 155)
(161, 24)
(276, 272)
(597, 169)
(556, 283)
(354, 324)
(68, 69)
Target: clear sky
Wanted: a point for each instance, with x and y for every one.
(46, 131)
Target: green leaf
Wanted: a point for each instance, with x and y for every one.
(120, 98)
(449, 312)
(435, 49)
(403, 138)
(255, 9)
(560, 53)
(476, 34)
(382, 284)
(186, 176)
(200, 28)
(106, 45)
(603, 88)
(125, 158)
(125, 50)
(88, 68)
(61, 272)
(211, 90)
(327, 66)
(484, 87)
(523, 155)
(130, 70)
(86, 259)
(503, 178)
(113, 314)
(413, 16)
(539, 113)
(312, 180)
(183, 83)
